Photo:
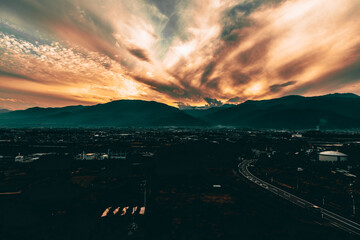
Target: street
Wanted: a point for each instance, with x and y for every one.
(333, 218)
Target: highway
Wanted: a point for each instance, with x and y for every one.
(333, 218)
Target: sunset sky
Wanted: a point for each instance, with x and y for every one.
(179, 52)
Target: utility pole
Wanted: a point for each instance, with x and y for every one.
(299, 169)
(353, 199)
(143, 184)
(297, 181)
(353, 206)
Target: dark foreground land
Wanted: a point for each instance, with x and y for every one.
(59, 196)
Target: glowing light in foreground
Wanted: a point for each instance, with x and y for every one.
(124, 211)
(105, 213)
(142, 211)
(116, 210)
(134, 210)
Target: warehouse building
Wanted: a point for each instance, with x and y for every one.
(332, 156)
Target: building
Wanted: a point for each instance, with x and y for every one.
(26, 159)
(117, 156)
(19, 158)
(104, 156)
(332, 156)
(296, 135)
(90, 156)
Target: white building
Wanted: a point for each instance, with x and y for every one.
(332, 156)
(296, 135)
(26, 159)
(19, 158)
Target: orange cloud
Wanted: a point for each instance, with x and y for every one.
(94, 52)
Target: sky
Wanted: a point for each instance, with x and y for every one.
(179, 52)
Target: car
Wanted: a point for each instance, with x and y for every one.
(316, 209)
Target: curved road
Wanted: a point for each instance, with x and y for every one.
(333, 218)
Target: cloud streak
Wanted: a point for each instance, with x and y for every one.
(174, 51)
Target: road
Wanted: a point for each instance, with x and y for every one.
(333, 218)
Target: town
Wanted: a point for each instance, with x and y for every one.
(174, 183)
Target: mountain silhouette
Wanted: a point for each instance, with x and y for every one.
(4, 110)
(332, 111)
(122, 113)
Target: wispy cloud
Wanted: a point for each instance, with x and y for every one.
(176, 51)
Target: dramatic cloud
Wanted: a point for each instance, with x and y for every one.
(234, 100)
(140, 53)
(212, 102)
(278, 87)
(190, 52)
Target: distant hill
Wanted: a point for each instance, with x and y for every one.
(198, 112)
(4, 110)
(122, 113)
(333, 111)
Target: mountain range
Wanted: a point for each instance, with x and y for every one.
(332, 111)
(4, 110)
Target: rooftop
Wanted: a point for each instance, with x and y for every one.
(333, 153)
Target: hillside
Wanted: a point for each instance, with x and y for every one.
(333, 111)
(122, 113)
